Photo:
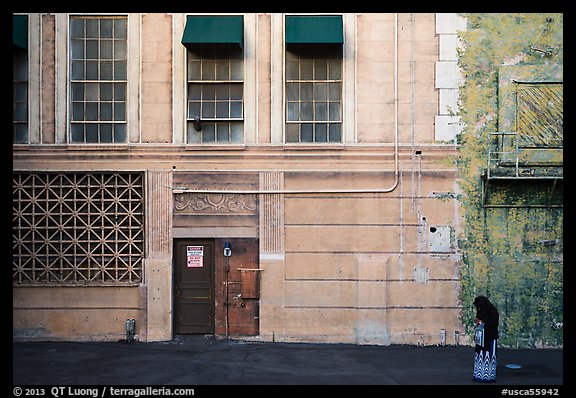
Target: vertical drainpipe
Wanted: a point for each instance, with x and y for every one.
(401, 249)
(398, 179)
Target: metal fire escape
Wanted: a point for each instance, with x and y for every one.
(532, 156)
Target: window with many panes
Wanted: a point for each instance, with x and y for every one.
(215, 110)
(20, 95)
(313, 93)
(98, 79)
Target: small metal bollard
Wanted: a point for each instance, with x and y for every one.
(457, 338)
(442, 337)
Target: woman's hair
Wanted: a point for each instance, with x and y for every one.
(482, 302)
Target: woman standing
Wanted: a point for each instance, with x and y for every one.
(486, 337)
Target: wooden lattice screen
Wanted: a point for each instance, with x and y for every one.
(77, 228)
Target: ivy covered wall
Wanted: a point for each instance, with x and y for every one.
(512, 251)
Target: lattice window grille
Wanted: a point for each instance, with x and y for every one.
(78, 228)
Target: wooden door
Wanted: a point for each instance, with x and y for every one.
(194, 286)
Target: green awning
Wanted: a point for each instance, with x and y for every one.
(228, 29)
(20, 31)
(319, 29)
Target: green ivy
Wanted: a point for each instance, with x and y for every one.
(511, 254)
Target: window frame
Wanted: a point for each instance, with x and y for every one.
(26, 122)
(327, 51)
(215, 121)
(98, 81)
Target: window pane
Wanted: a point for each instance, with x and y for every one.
(208, 70)
(91, 111)
(106, 92)
(222, 111)
(222, 132)
(236, 133)
(20, 111)
(222, 70)
(236, 91)
(20, 133)
(222, 91)
(119, 70)
(335, 132)
(20, 65)
(208, 134)
(106, 111)
(193, 69)
(91, 49)
(320, 111)
(106, 70)
(77, 49)
(120, 28)
(76, 28)
(78, 111)
(334, 91)
(208, 110)
(292, 132)
(306, 90)
(335, 114)
(321, 91)
(91, 92)
(306, 69)
(106, 27)
(306, 111)
(292, 111)
(192, 136)
(92, 28)
(321, 132)
(91, 133)
(120, 111)
(306, 133)
(91, 70)
(106, 133)
(292, 70)
(236, 109)
(335, 69)
(320, 69)
(194, 91)
(78, 70)
(120, 91)
(292, 91)
(120, 132)
(20, 91)
(193, 109)
(77, 132)
(120, 49)
(208, 92)
(106, 49)
(236, 70)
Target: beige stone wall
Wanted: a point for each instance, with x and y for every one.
(356, 268)
(77, 313)
(156, 91)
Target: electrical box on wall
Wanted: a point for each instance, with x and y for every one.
(439, 239)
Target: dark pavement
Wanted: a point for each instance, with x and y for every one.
(203, 360)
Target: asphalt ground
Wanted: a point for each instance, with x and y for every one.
(203, 361)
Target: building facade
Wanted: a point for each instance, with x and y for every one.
(278, 177)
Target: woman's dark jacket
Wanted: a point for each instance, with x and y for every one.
(487, 313)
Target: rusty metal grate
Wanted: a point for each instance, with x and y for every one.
(540, 114)
(77, 228)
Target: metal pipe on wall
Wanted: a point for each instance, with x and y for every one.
(328, 191)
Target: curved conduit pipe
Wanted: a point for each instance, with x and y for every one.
(329, 191)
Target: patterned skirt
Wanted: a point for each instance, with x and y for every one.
(485, 362)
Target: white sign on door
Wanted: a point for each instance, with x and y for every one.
(194, 256)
